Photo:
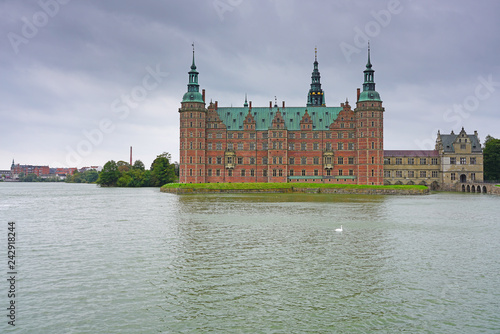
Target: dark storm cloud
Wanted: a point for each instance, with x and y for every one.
(79, 67)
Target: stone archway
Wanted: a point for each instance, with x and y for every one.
(423, 183)
(398, 183)
(484, 190)
(435, 185)
(473, 189)
(410, 183)
(468, 188)
(463, 188)
(478, 190)
(463, 178)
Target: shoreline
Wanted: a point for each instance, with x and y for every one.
(234, 188)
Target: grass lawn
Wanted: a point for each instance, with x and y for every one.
(243, 186)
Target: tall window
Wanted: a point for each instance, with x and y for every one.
(303, 160)
(472, 161)
(423, 161)
(463, 160)
(423, 173)
(242, 172)
(399, 161)
(291, 161)
(453, 176)
(303, 172)
(453, 161)
(340, 146)
(411, 161)
(340, 160)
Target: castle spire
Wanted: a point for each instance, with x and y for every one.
(193, 88)
(246, 101)
(193, 66)
(369, 93)
(315, 96)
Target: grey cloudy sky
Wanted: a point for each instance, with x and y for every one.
(82, 81)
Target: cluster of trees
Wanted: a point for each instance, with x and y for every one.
(89, 176)
(34, 178)
(122, 174)
(491, 156)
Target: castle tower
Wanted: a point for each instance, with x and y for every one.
(192, 131)
(369, 131)
(315, 96)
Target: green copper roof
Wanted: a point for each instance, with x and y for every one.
(192, 97)
(369, 96)
(322, 117)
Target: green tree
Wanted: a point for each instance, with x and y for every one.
(491, 156)
(123, 166)
(138, 164)
(162, 171)
(90, 175)
(30, 178)
(109, 174)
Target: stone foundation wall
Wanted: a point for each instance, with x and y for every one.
(360, 191)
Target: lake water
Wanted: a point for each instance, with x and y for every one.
(108, 260)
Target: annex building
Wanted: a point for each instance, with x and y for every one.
(311, 143)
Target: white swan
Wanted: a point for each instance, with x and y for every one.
(339, 229)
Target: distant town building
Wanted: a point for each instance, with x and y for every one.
(40, 171)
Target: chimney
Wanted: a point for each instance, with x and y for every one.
(250, 105)
(270, 104)
(216, 105)
(203, 93)
(359, 92)
(283, 104)
(475, 133)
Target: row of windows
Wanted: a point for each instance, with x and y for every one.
(275, 160)
(453, 176)
(462, 160)
(411, 161)
(291, 135)
(275, 146)
(411, 174)
(274, 172)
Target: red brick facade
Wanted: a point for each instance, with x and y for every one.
(298, 144)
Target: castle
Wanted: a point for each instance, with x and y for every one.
(314, 143)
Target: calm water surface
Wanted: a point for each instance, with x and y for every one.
(97, 260)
